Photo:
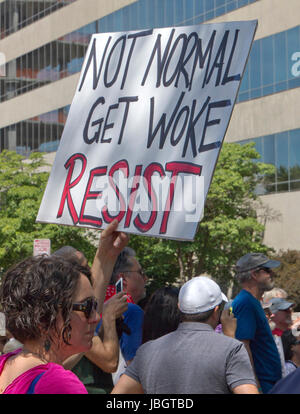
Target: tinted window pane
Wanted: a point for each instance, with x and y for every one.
(267, 61)
(282, 162)
(269, 149)
(258, 147)
(230, 6)
(255, 66)
(280, 57)
(245, 81)
(178, 11)
(199, 10)
(169, 12)
(294, 154)
(293, 46)
(189, 11)
(220, 7)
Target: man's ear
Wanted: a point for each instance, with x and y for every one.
(253, 274)
(216, 312)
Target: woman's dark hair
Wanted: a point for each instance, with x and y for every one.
(34, 292)
(161, 313)
(288, 340)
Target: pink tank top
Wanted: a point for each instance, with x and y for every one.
(55, 380)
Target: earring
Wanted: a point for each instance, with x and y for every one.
(47, 344)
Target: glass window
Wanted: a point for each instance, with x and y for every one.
(293, 46)
(150, 13)
(282, 161)
(259, 147)
(294, 152)
(142, 14)
(230, 5)
(245, 80)
(189, 12)
(169, 12)
(209, 10)
(179, 12)
(160, 15)
(220, 7)
(242, 3)
(269, 149)
(133, 17)
(255, 66)
(267, 60)
(25, 13)
(119, 20)
(199, 11)
(280, 57)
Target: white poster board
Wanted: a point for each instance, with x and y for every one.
(41, 246)
(145, 128)
(2, 324)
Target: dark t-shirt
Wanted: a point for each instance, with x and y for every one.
(253, 325)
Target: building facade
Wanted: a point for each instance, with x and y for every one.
(43, 43)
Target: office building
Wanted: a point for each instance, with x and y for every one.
(44, 43)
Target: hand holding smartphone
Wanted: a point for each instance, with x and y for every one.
(119, 285)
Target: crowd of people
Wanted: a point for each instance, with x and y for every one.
(68, 330)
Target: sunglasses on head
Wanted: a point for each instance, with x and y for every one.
(87, 307)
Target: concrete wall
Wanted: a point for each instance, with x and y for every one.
(266, 115)
(39, 101)
(283, 230)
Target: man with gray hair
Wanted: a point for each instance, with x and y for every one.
(254, 272)
(193, 359)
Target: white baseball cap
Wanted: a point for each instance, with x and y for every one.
(200, 294)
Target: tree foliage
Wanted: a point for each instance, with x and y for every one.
(22, 184)
(229, 229)
(288, 275)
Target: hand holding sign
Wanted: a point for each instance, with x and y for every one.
(112, 242)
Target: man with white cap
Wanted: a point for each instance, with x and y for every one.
(194, 359)
(254, 272)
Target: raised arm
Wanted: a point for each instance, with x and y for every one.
(111, 244)
(105, 353)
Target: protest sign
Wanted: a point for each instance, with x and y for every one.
(41, 246)
(2, 324)
(145, 128)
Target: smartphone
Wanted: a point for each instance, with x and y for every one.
(119, 285)
(228, 305)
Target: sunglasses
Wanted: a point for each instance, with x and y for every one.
(140, 271)
(87, 307)
(265, 269)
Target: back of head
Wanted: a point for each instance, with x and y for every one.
(161, 313)
(33, 294)
(274, 293)
(288, 340)
(70, 253)
(199, 296)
